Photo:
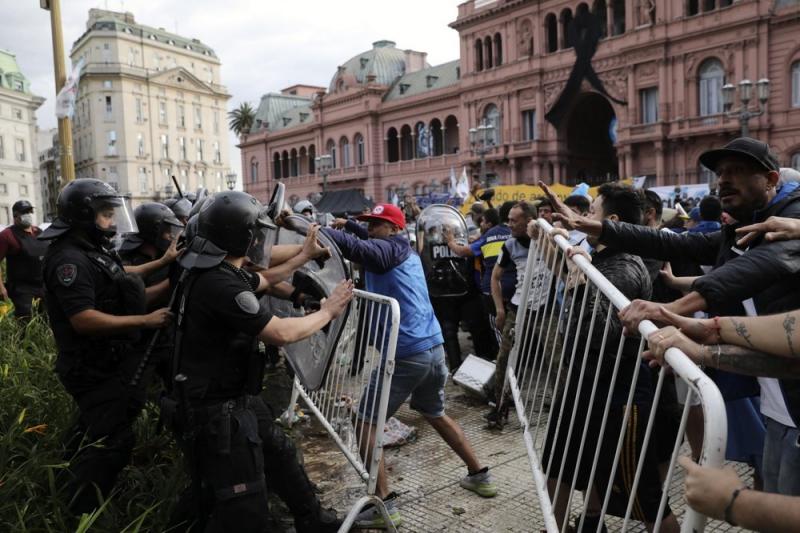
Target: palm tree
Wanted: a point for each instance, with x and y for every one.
(242, 119)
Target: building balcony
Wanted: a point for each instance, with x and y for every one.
(436, 162)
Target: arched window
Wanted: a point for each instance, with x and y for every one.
(618, 9)
(487, 52)
(796, 161)
(712, 78)
(285, 164)
(498, 50)
(392, 146)
(406, 143)
(796, 84)
(331, 148)
(478, 55)
(551, 31)
(492, 115)
(692, 7)
(709, 5)
(312, 164)
(293, 167)
(276, 166)
(423, 137)
(435, 187)
(599, 10)
(566, 20)
(450, 135)
(253, 170)
(358, 140)
(302, 161)
(344, 146)
(435, 130)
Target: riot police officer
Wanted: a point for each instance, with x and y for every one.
(24, 255)
(233, 446)
(182, 207)
(96, 311)
(158, 229)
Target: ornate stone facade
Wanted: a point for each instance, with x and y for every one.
(660, 64)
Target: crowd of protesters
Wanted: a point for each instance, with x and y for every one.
(719, 277)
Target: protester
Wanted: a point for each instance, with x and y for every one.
(393, 269)
(514, 252)
(758, 279)
(544, 207)
(24, 255)
(628, 274)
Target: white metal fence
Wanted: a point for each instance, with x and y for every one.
(366, 347)
(577, 386)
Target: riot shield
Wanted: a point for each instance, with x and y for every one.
(446, 274)
(311, 357)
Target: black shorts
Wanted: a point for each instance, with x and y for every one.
(559, 449)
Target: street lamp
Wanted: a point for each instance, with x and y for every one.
(482, 141)
(744, 113)
(323, 165)
(230, 180)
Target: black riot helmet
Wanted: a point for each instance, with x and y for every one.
(180, 206)
(155, 220)
(21, 207)
(82, 202)
(228, 223)
(231, 220)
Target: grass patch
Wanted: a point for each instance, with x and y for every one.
(35, 410)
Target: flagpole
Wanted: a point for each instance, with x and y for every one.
(64, 124)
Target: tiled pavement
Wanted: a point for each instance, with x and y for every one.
(425, 473)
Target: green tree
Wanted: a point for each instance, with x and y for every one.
(242, 119)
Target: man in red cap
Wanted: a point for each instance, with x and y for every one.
(393, 269)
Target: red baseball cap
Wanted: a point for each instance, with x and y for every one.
(389, 212)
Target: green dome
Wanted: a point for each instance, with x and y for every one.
(384, 61)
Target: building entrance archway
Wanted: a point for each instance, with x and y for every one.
(591, 156)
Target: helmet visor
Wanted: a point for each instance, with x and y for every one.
(264, 236)
(113, 214)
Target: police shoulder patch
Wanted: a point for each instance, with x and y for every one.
(247, 302)
(66, 274)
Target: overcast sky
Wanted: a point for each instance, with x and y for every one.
(263, 46)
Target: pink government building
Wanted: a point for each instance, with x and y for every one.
(574, 92)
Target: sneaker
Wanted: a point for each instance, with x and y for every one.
(480, 483)
(371, 517)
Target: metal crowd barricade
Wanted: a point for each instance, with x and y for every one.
(367, 345)
(542, 370)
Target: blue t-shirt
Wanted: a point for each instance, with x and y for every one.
(488, 247)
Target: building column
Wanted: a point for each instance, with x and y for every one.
(513, 164)
(609, 18)
(630, 15)
(628, 156)
(660, 170)
(557, 172)
(444, 140)
(413, 144)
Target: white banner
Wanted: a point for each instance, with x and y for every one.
(65, 100)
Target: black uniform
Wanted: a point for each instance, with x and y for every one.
(227, 432)
(95, 371)
(25, 271)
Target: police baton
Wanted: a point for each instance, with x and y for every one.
(137, 375)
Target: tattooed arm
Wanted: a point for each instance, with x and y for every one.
(726, 357)
(775, 334)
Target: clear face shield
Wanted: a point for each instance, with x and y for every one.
(264, 236)
(114, 216)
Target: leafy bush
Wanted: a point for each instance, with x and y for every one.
(35, 410)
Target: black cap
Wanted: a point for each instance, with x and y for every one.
(751, 149)
(21, 207)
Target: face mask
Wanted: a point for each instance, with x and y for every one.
(26, 220)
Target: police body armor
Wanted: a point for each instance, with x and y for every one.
(446, 274)
(123, 295)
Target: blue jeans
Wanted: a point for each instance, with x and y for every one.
(781, 459)
(422, 376)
